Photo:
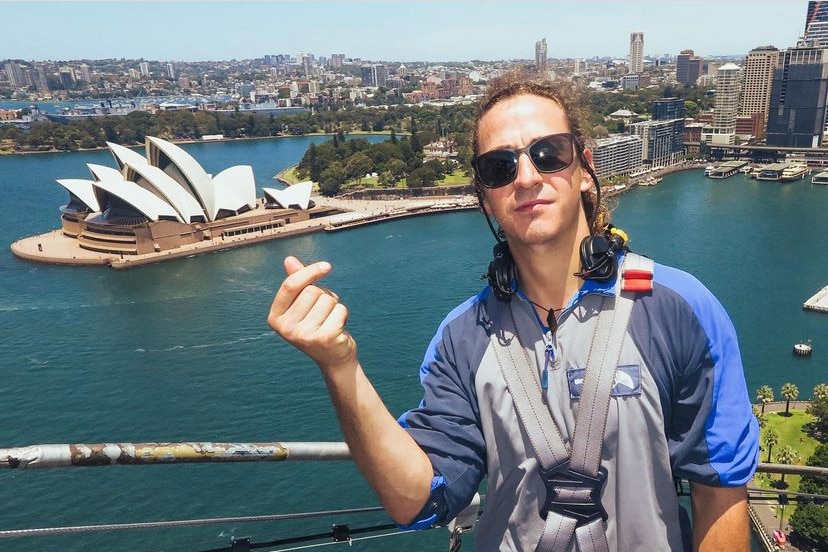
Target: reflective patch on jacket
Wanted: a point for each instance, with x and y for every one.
(627, 381)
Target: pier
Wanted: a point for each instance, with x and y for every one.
(819, 301)
(727, 169)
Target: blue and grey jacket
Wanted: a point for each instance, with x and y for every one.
(680, 409)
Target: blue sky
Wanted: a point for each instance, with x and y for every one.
(390, 30)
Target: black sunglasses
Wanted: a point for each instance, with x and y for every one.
(549, 154)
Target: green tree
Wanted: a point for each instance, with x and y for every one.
(357, 166)
(760, 418)
(770, 439)
(764, 395)
(331, 179)
(809, 524)
(397, 168)
(786, 455)
(789, 392)
(819, 410)
(821, 391)
(315, 170)
(421, 177)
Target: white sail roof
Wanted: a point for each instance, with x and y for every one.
(162, 183)
(102, 172)
(297, 194)
(83, 190)
(190, 169)
(144, 201)
(235, 188)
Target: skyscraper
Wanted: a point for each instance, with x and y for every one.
(688, 67)
(540, 54)
(726, 106)
(798, 98)
(757, 80)
(816, 24)
(636, 62)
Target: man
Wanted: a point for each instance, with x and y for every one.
(679, 407)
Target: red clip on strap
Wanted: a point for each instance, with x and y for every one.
(637, 280)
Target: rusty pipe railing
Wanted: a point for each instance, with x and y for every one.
(112, 454)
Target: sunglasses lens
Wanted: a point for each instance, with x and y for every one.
(496, 168)
(553, 153)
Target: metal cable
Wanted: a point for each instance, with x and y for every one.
(16, 533)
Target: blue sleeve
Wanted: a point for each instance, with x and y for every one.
(446, 425)
(711, 431)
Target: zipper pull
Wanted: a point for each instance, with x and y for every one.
(549, 357)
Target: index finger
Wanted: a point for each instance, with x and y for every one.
(299, 277)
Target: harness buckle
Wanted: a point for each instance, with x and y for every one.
(566, 496)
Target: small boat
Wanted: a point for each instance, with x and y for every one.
(803, 349)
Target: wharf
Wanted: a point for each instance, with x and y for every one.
(819, 301)
(726, 170)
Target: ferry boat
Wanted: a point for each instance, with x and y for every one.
(796, 171)
(709, 169)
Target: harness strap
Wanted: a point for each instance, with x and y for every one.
(574, 482)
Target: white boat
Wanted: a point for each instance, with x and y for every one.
(794, 172)
(803, 349)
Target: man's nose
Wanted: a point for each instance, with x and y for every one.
(527, 175)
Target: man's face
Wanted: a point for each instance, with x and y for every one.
(535, 208)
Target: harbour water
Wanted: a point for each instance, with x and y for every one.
(181, 351)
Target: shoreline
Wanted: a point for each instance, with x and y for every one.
(199, 141)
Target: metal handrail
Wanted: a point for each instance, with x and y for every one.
(112, 454)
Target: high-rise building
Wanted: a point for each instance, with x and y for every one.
(40, 81)
(667, 108)
(144, 68)
(816, 24)
(86, 73)
(171, 71)
(617, 155)
(540, 54)
(688, 67)
(797, 112)
(636, 61)
(367, 73)
(14, 74)
(756, 82)
(337, 60)
(67, 77)
(663, 141)
(726, 106)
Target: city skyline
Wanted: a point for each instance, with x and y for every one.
(391, 30)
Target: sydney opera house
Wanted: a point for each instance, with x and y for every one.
(167, 201)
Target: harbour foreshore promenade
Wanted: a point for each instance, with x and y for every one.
(57, 248)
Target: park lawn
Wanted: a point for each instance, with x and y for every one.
(457, 177)
(290, 175)
(790, 431)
